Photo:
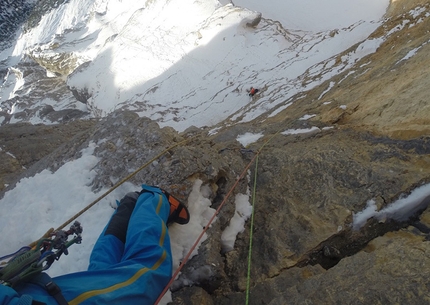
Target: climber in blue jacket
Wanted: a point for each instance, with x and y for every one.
(131, 262)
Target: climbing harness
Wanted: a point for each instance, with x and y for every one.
(45, 281)
(28, 262)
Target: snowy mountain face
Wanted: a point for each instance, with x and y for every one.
(13, 13)
(175, 60)
(340, 125)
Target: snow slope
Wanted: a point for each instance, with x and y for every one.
(174, 60)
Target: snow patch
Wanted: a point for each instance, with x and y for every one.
(248, 138)
(242, 212)
(300, 131)
(400, 210)
(307, 117)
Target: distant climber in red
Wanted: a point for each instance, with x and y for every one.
(252, 91)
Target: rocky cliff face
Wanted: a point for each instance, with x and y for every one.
(372, 142)
(12, 14)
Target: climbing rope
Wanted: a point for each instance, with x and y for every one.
(122, 181)
(205, 229)
(39, 255)
(251, 230)
(216, 213)
(47, 234)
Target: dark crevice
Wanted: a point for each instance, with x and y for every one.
(420, 146)
(221, 182)
(349, 241)
(421, 227)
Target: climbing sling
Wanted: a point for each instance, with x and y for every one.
(28, 263)
(45, 281)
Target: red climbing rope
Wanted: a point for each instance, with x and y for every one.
(204, 230)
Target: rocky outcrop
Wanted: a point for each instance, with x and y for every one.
(12, 14)
(388, 95)
(56, 63)
(81, 94)
(22, 145)
(42, 7)
(309, 186)
(390, 270)
(307, 189)
(35, 86)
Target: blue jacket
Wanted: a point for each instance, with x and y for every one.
(131, 262)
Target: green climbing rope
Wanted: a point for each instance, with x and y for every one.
(248, 277)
